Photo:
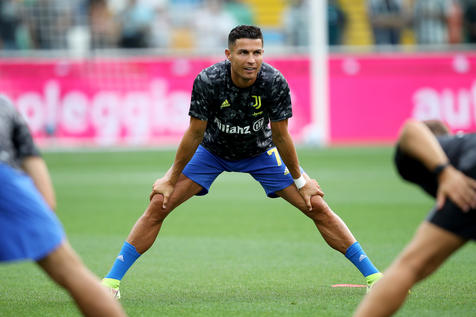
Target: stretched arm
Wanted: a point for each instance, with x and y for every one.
(419, 142)
(35, 167)
(187, 147)
(287, 151)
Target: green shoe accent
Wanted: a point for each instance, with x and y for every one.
(371, 279)
(111, 282)
(113, 286)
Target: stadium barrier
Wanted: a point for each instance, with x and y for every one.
(370, 96)
(123, 101)
(144, 100)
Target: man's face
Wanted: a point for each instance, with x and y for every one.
(246, 57)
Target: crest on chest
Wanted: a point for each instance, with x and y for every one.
(254, 103)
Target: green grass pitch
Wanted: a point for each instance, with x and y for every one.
(235, 252)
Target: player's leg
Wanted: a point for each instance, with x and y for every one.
(429, 248)
(146, 229)
(196, 179)
(268, 169)
(334, 231)
(66, 269)
(30, 230)
(330, 225)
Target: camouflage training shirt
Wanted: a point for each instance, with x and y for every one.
(238, 118)
(16, 142)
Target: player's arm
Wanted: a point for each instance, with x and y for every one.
(287, 151)
(418, 141)
(29, 156)
(36, 168)
(187, 147)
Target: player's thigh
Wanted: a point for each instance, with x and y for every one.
(184, 189)
(61, 264)
(292, 195)
(429, 248)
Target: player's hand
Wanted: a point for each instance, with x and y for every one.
(162, 186)
(311, 188)
(456, 186)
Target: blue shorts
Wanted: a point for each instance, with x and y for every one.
(267, 168)
(29, 229)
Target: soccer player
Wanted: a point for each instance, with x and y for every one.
(232, 104)
(444, 166)
(29, 229)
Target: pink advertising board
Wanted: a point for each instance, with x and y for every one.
(144, 101)
(370, 96)
(127, 101)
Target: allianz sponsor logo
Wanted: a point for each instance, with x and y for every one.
(235, 129)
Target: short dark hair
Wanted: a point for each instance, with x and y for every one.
(244, 32)
(437, 127)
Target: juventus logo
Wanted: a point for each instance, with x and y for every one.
(257, 103)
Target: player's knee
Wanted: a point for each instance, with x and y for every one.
(155, 212)
(416, 267)
(320, 209)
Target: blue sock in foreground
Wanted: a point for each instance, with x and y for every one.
(357, 256)
(127, 256)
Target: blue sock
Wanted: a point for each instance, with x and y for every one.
(357, 256)
(124, 261)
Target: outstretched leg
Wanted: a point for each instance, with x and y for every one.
(329, 224)
(67, 270)
(334, 231)
(146, 229)
(430, 247)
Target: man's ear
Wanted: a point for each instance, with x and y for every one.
(228, 53)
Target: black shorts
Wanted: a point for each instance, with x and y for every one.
(461, 151)
(453, 219)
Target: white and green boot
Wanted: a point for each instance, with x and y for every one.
(113, 286)
(370, 279)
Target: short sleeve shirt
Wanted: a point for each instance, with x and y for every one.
(16, 142)
(461, 151)
(238, 118)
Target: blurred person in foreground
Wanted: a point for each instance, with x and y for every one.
(444, 166)
(232, 103)
(30, 229)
